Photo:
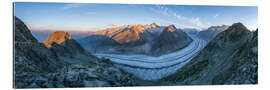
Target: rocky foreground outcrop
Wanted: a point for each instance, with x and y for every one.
(38, 66)
(28, 51)
(22, 33)
(230, 58)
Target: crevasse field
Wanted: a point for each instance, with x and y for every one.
(154, 68)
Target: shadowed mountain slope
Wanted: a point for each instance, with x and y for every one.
(27, 47)
(230, 58)
(31, 58)
(23, 33)
(171, 39)
(38, 66)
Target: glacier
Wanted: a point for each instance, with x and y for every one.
(154, 68)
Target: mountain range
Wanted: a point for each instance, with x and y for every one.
(150, 39)
(141, 38)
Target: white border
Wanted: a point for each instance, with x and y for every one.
(185, 2)
(6, 40)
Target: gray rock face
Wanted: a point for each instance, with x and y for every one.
(23, 33)
(31, 58)
(89, 76)
(171, 39)
(227, 59)
(27, 47)
(37, 66)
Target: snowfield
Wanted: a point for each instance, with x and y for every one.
(154, 68)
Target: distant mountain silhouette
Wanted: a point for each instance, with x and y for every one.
(192, 31)
(211, 32)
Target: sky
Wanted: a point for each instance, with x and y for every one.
(91, 16)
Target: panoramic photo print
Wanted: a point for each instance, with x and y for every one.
(63, 45)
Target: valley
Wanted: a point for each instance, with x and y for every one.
(159, 55)
(154, 68)
(78, 45)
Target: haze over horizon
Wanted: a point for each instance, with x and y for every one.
(90, 16)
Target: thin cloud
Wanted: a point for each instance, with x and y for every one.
(73, 5)
(161, 10)
(90, 13)
(165, 11)
(179, 16)
(215, 16)
(197, 22)
(112, 25)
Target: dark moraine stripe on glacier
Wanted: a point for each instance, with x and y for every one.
(142, 60)
(152, 73)
(137, 58)
(133, 66)
(157, 65)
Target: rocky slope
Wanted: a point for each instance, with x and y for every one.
(171, 39)
(135, 39)
(23, 34)
(39, 66)
(230, 58)
(31, 57)
(211, 32)
(27, 47)
(63, 43)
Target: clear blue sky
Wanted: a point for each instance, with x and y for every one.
(85, 16)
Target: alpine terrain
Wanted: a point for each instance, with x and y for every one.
(153, 40)
(60, 62)
(230, 58)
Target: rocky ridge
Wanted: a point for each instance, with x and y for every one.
(38, 66)
(230, 58)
